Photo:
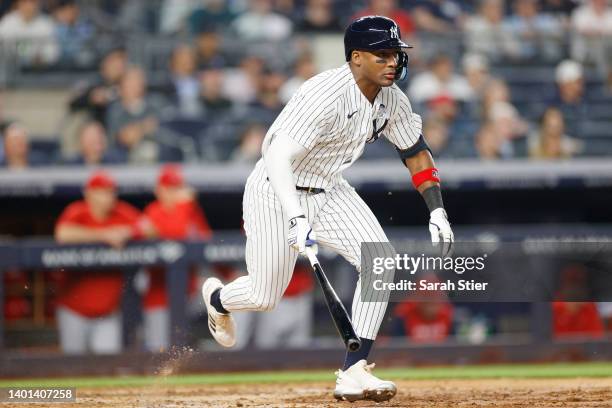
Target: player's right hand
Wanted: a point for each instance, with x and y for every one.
(301, 234)
(441, 231)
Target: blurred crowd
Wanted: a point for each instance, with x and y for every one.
(201, 80)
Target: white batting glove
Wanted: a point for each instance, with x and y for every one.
(440, 230)
(301, 234)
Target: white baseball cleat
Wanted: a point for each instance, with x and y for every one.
(221, 326)
(358, 383)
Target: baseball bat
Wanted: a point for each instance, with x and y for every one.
(336, 308)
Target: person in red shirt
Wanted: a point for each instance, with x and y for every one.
(428, 319)
(571, 317)
(88, 308)
(175, 214)
(576, 319)
(426, 322)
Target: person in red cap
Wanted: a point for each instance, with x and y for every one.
(88, 308)
(175, 214)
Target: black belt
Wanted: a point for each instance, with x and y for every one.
(311, 190)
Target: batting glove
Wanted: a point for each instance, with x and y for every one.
(440, 230)
(301, 234)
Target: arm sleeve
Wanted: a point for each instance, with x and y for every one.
(405, 126)
(277, 159)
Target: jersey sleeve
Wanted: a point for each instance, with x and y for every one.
(305, 119)
(405, 126)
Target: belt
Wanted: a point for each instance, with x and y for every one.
(311, 190)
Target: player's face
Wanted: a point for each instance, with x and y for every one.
(380, 66)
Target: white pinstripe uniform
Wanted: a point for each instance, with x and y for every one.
(332, 119)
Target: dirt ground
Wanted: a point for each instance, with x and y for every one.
(578, 392)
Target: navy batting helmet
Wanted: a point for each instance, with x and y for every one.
(376, 33)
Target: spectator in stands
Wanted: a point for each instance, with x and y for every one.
(132, 121)
(17, 153)
(438, 16)
(261, 23)
(215, 104)
(304, 68)
(32, 32)
(184, 84)
(509, 127)
(212, 99)
(442, 107)
(174, 215)
(319, 17)
(95, 97)
(496, 91)
(268, 104)
(210, 15)
(439, 80)
(550, 140)
(484, 33)
(570, 96)
(208, 50)
(389, 8)
(88, 315)
(93, 147)
(476, 71)
(74, 34)
(249, 150)
(592, 33)
(241, 84)
(436, 133)
(488, 143)
(532, 35)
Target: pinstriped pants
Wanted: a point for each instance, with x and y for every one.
(341, 221)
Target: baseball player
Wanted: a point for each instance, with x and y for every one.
(296, 196)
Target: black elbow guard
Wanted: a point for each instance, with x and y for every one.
(419, 146)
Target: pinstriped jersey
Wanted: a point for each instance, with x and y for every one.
(332, 119)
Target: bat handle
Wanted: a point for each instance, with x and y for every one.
(312, 257)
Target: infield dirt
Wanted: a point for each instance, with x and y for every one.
(532, 393)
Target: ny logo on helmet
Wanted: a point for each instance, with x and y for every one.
(394, 33)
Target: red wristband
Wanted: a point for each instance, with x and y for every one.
(430, 174)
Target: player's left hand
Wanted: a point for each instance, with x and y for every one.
(441, 231)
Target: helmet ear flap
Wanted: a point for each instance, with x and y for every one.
(401, 72)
